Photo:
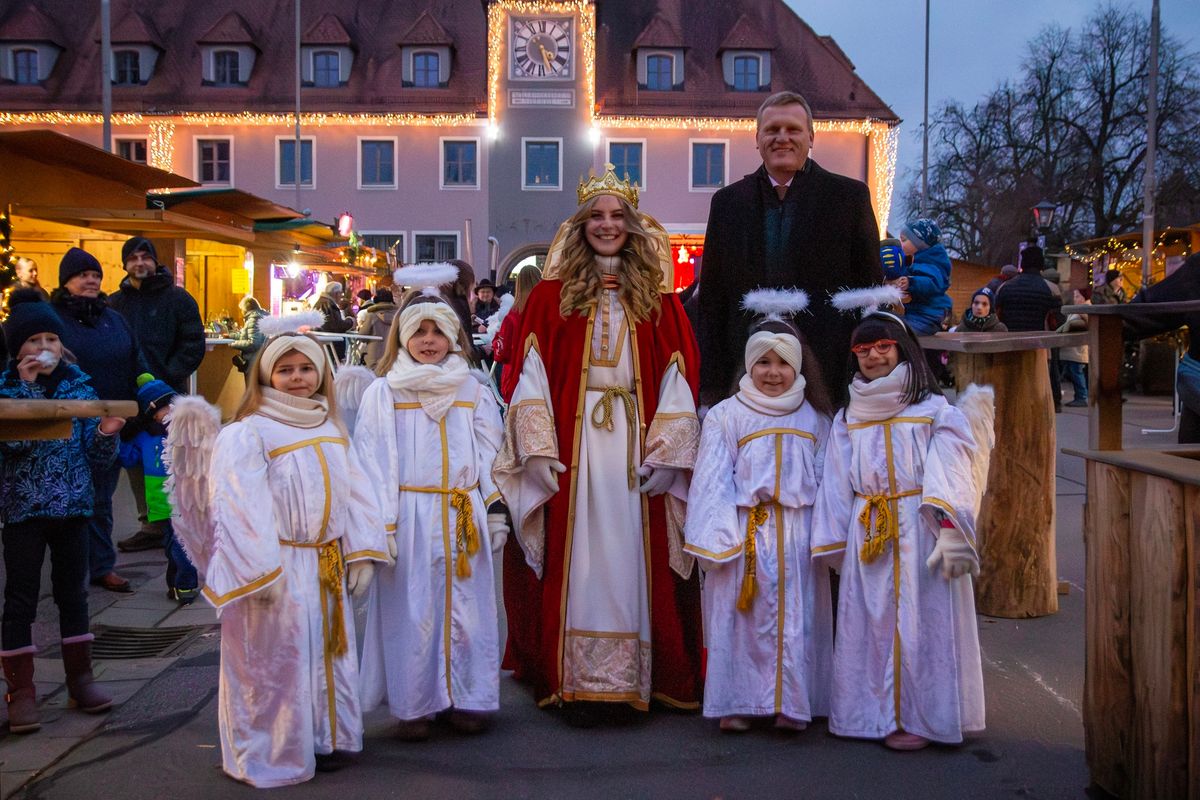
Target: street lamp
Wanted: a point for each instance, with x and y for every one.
(1043, 215)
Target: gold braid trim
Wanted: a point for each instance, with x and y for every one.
(602, 417)
(754, 520)
(887, 527)
(466, 534)
(331, 573)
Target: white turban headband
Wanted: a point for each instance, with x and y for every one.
(440, 313)
(784, 344)
(281, 345)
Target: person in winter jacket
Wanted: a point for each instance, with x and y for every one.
(928, 276)
(106, 349)
(251, 338)
(46, 497)
(1074, 360)
(330, 304)
(1027, 302)
(1112, 291)
(377, 321)
(981, 316)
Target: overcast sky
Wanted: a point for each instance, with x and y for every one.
(974, 44)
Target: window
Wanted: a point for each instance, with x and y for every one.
(214, 164)
(127, 68)
(132, 150)
(435, 246)
(426, 69)
(746, 74)
(386, 242)
(541, 163)
(708, 165)
(460, 163)
(377, 164)
(25, 66)
(327, 70)
(225, 68)
(286, 161)
(660, 73)
(626, 158)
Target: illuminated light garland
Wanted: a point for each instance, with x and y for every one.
(498, 13)
(162, 145)
(885, 144)
(1126, 257)
(208, 118)
(65, 118)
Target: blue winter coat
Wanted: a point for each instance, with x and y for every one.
(105, 348)
(52, 477)
(928, 281)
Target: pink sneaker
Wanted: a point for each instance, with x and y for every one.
(902, 740)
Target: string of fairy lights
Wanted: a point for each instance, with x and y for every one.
(1125, 253)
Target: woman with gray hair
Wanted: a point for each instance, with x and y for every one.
(251, 338)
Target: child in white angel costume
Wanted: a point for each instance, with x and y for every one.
(427, 432)
(896, 512)
(768, 622)
(279, 518)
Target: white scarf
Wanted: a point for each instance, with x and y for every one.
(786, 347)
(882, 398)
(435, 384)
(302, 412)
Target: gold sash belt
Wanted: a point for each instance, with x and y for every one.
(331, 572)
(602, 417)
(887, 527)
(466, 535)
(754, 520)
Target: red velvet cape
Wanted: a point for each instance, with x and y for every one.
(535, 608)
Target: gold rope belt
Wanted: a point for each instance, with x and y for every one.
(754, 520)
(331, 572)
(887, 527)
(604, 407)
(466, 535)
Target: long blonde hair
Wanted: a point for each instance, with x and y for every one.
(527, 278)
(393, 345)
(252, 397)
(640, 275)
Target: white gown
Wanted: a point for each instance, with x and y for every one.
(907, 649)
(776, 656)
(276, 492)
(432, 636)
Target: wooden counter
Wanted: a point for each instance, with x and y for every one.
(218, 381)
(51, 419)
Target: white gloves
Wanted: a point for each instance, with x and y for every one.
(498, 530)
(271, 594)
(391, 543)
(543, 472)
(359, 577)
(658, 479)
(957, 557)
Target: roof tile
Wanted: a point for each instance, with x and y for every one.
(327, 30)
(230, 29)
(29, 24)
(426, 30)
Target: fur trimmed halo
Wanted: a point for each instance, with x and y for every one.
(426, 276)
(775, 304)
(867, 300)
(298, 322)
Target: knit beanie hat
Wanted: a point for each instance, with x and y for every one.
(152, 394)
(922, 232)
(1007, 271)
(28, 316)
(985, 292)
(138, 244)
(75, 262)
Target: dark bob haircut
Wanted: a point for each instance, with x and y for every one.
(921, 381)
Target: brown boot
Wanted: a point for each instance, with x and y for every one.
(23, 716)
(81, 685)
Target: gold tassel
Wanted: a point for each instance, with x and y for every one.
(756, 518)
(602, 417)
(466, 534)
(875, 543)
(331, 569)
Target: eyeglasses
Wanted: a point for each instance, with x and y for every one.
(883, 347)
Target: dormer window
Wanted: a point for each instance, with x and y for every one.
(426, 70)
(746, 71)
(25, 66)
(327, 71)
(127, 69)
(225, 68)
(660, 68)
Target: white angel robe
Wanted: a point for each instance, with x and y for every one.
(907, 650)
(776, 656)
(432, 636)
(279, 492)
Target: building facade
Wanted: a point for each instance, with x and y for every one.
(447, 128)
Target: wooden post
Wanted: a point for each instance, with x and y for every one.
(1106, 350)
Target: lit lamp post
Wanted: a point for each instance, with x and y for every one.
(1043, 216)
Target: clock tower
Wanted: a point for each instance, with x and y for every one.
(539, 97)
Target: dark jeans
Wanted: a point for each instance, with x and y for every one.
(101, 554)
(1055, 381)
(25, 546)
(1076, 372)
(180, 572)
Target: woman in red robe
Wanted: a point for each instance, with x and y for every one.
(603, 604)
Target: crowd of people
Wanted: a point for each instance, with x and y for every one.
(797, 440)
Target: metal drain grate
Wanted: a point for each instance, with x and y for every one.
(115, 642)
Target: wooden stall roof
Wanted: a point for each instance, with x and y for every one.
(63, 152)
(234, 201)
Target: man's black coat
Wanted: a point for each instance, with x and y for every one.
(833, 244)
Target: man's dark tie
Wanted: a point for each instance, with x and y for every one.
(781, 190)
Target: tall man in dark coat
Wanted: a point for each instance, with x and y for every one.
(788, 224)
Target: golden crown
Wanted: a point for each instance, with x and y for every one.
(608, 183)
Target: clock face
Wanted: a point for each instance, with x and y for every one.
(541, 48)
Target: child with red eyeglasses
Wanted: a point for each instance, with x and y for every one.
(895, 513)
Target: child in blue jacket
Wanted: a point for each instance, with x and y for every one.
(46, 498)
(928, 277)
(145, 450)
